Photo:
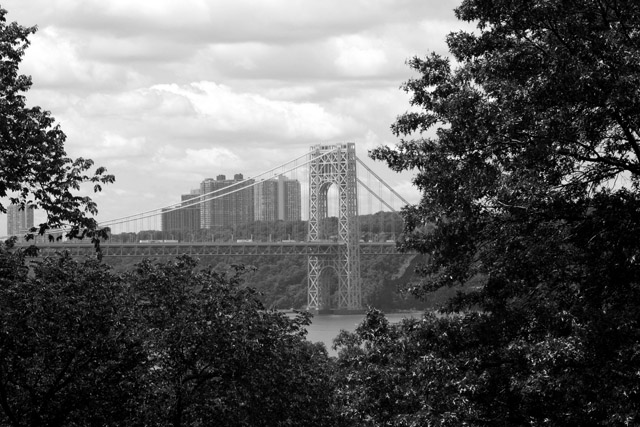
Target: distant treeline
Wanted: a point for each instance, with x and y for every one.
(282, 280)
(377, 227)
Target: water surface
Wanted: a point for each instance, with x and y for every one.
(325, 327)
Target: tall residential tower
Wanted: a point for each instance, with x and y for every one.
(236, 208)
(278, 199)
(178, 221)
(19, 220)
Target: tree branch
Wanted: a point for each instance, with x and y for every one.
(628, 134)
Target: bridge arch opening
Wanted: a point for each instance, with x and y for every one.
(329, 284)
(328, 220)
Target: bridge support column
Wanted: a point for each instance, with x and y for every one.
(334, 165)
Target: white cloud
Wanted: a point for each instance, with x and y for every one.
(138, 103)
(55, 60)
(231, 21)
(290, 92)
(360, 56)
(166, 93)
(173, 161)
(112, 145)
(227, 110)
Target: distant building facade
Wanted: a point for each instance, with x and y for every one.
(244, 201)
(265, 195)
(289, 200)
(19, 221)
(236, 208)
(184, 218)
(278, 199)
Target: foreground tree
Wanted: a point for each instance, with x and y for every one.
(165, 344)
(528, 158)
(70, 352)
(417, 372)
(217, 354)
(34, 168)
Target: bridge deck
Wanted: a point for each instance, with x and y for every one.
(165, 249)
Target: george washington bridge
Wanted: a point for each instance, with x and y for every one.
(349, 210)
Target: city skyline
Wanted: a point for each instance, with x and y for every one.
(243, 201)
(160, 93)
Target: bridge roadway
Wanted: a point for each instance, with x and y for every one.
(171, 249)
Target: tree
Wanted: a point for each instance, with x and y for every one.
(164, 344)
(70, 352)
(34, 168)
(416, 372)
(528, 159)
(217, 354)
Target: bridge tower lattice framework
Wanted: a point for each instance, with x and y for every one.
(334, 165)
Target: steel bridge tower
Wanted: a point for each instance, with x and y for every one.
(334, 165)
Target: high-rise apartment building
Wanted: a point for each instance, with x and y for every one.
(237, 207)
(265, 196)
(184, 218)
(278, 199)
(19, 221)
(222, 202)
(289, 202)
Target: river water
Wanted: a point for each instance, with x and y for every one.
(325, 327)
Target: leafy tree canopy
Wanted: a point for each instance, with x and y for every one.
(164, 344)
(70, 344)
(537, 125)
(527, 155)
(218, 354)
(34, 168)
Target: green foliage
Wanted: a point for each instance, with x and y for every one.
(468, 370)
(417, 372)
(528, 160)
(163, 344)
(282, 280)
(34, 168)
(217, 354)
(70, 352)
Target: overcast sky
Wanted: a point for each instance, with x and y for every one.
(165, 93)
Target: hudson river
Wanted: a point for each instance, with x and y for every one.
(325, 327)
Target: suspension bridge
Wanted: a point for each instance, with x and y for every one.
(349, 212)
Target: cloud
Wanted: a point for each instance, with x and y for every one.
(359, 56)
(224, 109)
(174, 162)
(123, 45)
(116, 146)
(208, 107)
(151, 102)
(291, 92)
(56, 61)
(237, 21)
(167, 93)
